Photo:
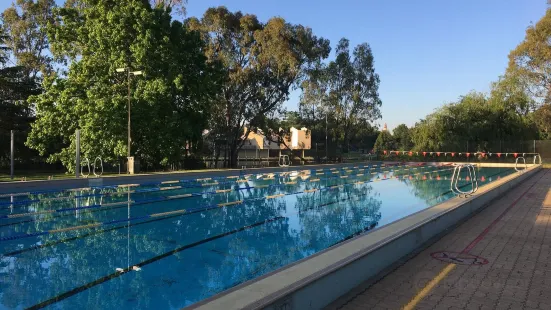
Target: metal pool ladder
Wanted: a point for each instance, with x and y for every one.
(284, 161)
(455, 178)
(523, 162)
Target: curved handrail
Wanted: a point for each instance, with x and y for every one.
(282, 162)
(82, 168)
(101, 165)
(537, 156)
(524, 161)
(455, 179)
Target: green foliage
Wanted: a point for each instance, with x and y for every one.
(263, 62)
(542, 119)
(531, 59)
(15, 87)
(346, 89)
(474, 123)
(402, 136)
(25, 23)
(385, 142)
(170, 102)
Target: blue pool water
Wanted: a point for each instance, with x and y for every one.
(61, 249)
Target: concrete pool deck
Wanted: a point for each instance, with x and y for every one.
(512, 240)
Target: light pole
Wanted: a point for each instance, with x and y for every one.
(130, 73)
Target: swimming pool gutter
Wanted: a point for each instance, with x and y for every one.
(316, 281)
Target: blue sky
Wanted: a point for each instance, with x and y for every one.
(427, 52)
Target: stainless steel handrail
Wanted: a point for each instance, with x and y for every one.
(101, 165)
(524, 162)
(537, 156)
(282, 161)
(455, 179)
(82, 168)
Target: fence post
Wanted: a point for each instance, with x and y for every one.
(534, 146)
(77, 170)
(11, 154)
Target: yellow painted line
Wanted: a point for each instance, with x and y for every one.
(223, 190)
(359, 175)
(314, 180)
(428, 288)
(170, 182)
(179, 196)
(75, 228)
(310, 190)
(210, 184)
(204, 179)
(320, 173)
(170, 187)
(274, 196)
(11, 216)
(168, 213)
(230, 203)
(242, 181)
(290, 183)
(373, 172)
(335, 172)
(233, 177)
(116, 203)
(128, 185)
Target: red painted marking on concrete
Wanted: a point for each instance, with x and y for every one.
(459, 258)
(487, 230)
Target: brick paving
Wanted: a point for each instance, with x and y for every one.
(518, 248)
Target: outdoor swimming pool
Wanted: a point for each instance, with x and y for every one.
(173, 244)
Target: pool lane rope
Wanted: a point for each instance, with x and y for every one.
(181, 211)
(137, 267)
(64, 240)
(246, 176)
(156, 189)
(166, 198)
(159, 199)
(26, 202)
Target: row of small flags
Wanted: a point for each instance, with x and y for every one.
(410, 153)
(483, 179)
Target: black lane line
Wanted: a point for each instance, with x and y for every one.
(53, 243)
(144, 263)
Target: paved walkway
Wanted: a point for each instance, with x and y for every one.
(512, 236)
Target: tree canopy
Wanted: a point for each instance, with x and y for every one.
(263, 62)
(170, 102)
(530, 61)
